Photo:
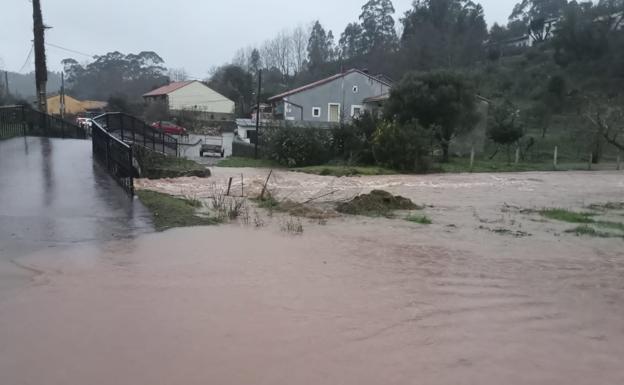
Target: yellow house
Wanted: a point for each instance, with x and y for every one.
(73, 106)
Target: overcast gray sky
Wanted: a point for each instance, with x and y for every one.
(193, 34)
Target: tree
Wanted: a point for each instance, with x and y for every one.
(236, 84)
(116, 73)
(441, 101)
(607, 116)
(351, 41)
(581, 34)
(177, 75)
(255, 61)
(443, 33)
(320, 47)
(377, 24)
(300, 38)
(504, 126)
(538, 16)
(527, 10)
(402, 146)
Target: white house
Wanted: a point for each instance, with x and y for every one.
(192, 96)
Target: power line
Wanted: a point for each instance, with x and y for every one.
(69, 50)
(32, 47)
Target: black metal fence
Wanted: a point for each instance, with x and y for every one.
(133, 130)
(115, 155)
(25, 121)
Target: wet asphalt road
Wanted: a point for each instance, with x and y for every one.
(52, 194)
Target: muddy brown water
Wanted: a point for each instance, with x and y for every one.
(358, 301)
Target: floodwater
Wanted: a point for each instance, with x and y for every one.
(355, 301)
(52, 194)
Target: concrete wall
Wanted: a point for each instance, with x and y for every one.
(197, 96)
(340, 91)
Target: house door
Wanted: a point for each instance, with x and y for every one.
(334, 112)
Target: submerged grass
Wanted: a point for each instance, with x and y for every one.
(587, 230)
(420, 219)
(170, 212)
(568, 216)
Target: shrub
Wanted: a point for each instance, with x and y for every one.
(354, 142)
(298, 146)
(403, 147)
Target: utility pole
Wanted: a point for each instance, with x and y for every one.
(258, 112)
(6, 84)
(62, 96)
(41, 70)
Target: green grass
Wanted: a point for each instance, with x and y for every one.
(170, 212)
(462, 165)
(611, 226)
(248, 163)
(568, 216)
(420, 219)
(342, 170)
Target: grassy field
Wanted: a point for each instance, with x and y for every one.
(340, 171)
(248, 162)
(454, 166)
(170, 212)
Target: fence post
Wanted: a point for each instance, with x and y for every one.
(131, 171)
(472, 158)
(517, 155)
(24, 123)
(591, 160)
(556, 156)
(121, 124)
(133, 134)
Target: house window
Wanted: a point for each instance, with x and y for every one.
(356, 111)
(356, 89)
(316, 112)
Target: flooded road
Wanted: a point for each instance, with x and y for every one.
(52, 194)
(356, 301)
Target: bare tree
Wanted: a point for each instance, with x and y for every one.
(300, 38)
(607, 117)
(177, 75)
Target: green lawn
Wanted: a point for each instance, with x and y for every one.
(340, 170)
(248, 162)
(456, 165)
(170, 212)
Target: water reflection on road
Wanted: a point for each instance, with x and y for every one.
(52, 194)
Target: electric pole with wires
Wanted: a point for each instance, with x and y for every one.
(41, 70)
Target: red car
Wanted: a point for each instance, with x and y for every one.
(169, 128)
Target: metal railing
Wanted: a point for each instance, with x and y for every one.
(133, 130)
(25, 121)
(115, 155)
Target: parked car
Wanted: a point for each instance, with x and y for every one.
(84, 122)
(212, 146)
(170, 128)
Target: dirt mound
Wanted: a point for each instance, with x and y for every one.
(378, 202)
